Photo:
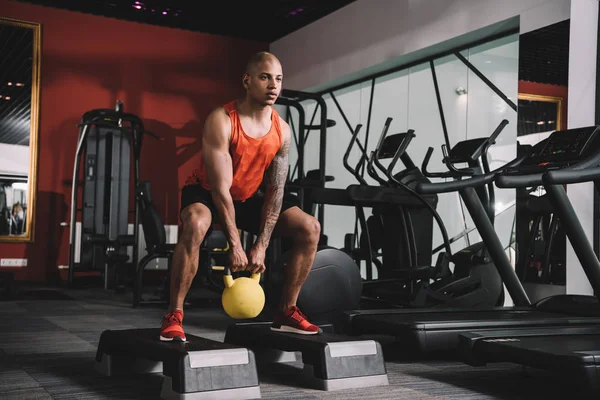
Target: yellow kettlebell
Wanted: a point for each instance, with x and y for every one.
(242, 297)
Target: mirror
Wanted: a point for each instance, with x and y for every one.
(539, 251)
(20, 45)
(539, 114)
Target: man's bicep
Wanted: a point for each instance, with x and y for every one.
(215, 151)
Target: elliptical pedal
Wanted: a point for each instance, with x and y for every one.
(197, 369)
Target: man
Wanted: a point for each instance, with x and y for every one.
(243, 142)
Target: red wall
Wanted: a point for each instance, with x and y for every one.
(543, 89)
(170, 78)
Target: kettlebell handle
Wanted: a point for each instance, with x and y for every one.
(229, 277)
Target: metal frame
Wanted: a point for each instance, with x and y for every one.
(596, 228)
(293, 98)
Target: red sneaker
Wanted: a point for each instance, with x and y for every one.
(172, 327)
(295, 322)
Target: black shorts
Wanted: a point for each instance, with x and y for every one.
(247, 213)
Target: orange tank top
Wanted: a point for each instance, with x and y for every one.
(250, 156)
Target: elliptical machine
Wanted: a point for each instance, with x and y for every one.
(473, 262)
(475, 282)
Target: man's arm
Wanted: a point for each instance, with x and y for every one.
(276, 177)
(219, 169)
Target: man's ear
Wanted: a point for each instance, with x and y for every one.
(245, 80)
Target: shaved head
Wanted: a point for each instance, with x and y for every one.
(263, 78)
(257, 59)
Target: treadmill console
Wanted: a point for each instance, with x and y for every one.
(565, 147)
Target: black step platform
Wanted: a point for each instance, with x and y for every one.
(331, 361)
(572, 353)
(197, 369)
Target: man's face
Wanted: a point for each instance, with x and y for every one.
(264, 82)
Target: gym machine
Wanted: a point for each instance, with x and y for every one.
(539, 242)
(108, 153)
(475, 282)
(566, 157)
(294, 99)
(432, 329)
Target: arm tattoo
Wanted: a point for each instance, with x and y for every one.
(276, 178)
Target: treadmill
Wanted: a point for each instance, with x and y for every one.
(429, 330)
(574, 353)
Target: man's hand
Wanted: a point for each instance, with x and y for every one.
(256, 259)
(237, 259)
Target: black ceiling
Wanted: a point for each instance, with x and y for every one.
(261, 20)
(544, 55)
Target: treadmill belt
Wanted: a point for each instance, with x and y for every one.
(582, 349)
(464, 320)
(439, 330)
(566, 352)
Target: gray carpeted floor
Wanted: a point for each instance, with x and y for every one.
(48, 347)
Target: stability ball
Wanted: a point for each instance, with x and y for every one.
(242, 297)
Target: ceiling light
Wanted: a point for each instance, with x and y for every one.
(20, 84)
(296, 11)
(540, 122)
(9, 83)
(7, 98)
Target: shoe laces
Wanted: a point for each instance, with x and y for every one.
(297, 314)
(173, 317)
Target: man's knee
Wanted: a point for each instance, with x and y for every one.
(196, 222)
(310, 230)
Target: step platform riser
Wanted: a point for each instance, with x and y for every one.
(332, 362)
(197, 369)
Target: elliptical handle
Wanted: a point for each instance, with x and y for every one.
(426, 163)
(492, 139)
(455, 172)
(354, 171)
(408, 137)
(372, 173)
(386, 127)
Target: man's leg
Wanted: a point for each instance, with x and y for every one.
(196, 219)
(305, 231)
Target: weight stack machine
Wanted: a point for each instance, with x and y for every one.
(107, 163)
